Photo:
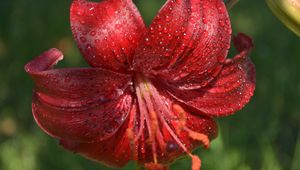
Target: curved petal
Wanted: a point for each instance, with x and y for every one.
(120, 148)
(78, 104)
(114, 151)
(187, 43)
(230, 90)
(107, 32)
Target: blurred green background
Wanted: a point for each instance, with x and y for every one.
(263, 136)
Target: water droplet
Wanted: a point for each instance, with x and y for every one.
(185, 36)
(170, 37)
(118, 26)
(165, 30)
(204, 20)
(79, 13)
(193, 19)
(168, 52)
(177, 33)
(168, 18)
(82, 22)
(159, 27)
(93, 33)
(151, 29)
(147, 41)
(130, 38)
(189, 10)
(97, 41)
(84, 32)
(83, 39)
(221, 22)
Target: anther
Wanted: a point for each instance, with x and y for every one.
(196, 162)
(182, 117)
(198, 136)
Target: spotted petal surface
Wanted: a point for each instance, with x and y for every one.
(79, 104)
(230, 90)
(187, 43)
(107, 32)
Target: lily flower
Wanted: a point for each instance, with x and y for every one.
(152, 93)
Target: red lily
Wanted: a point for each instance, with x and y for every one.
(152, 92)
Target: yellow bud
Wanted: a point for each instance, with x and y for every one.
(288, 11)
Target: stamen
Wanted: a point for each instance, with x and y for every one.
(154, 128)
(177, 140)
(199, 136)
(182, 117)
(158, 101)
(130, 133)
(162, 144)
(132, 143)
(142, 107)
(153, 117)
(141, 129)
(196, 162)
(182, 122)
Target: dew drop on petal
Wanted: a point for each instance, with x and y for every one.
(204, 19)
(93, 33)
(118, 26)
(79, 12)
(82, 22)
(168, 18)
(152, 29)
(83, 39)
(221, 22)
(147, 41)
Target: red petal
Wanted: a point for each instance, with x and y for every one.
(114, 151)
(78, 104)
(107, 32)
(231, 89)
(187, 43)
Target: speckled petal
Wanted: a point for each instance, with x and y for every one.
(186, 44)
(232, 88)
(107, 32)
(114, 151)
(83, 104)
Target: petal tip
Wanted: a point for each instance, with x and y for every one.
(243, 42)
(44, 61)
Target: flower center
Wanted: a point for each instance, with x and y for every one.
(158, 117)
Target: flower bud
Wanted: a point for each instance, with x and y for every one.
(288, 11)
